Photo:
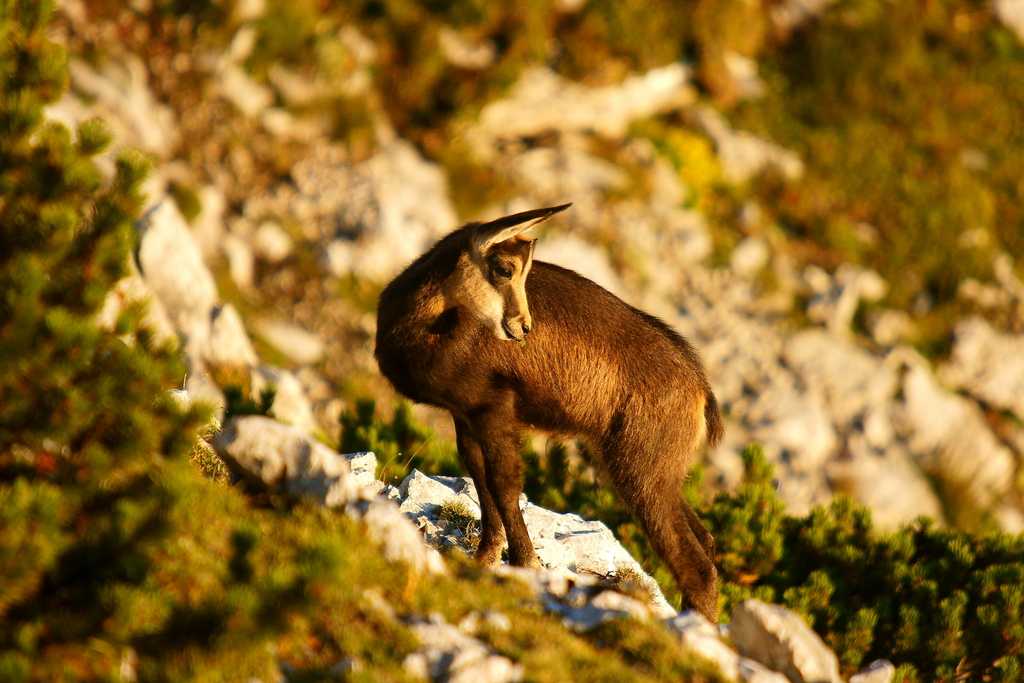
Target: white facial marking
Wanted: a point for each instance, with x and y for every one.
(472, 290)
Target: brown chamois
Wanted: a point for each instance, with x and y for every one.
(586, 365)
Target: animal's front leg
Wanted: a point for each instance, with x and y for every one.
(498, 434)
(492, 536)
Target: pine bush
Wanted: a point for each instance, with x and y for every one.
(942, 603)
(115, 556)
(401, 444)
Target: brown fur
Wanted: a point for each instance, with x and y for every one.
(592, 366)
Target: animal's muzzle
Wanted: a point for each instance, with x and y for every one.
(516, 329)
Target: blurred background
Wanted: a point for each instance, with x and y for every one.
(826, 198)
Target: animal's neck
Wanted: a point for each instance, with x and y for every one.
(421, 311)
(432, 304)
(425, 282)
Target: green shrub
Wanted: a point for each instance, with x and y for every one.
(118, 561)
(98, 522)
(400, 445)
(942, 603)
(236, 402)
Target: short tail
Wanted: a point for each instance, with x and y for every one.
(713, 420)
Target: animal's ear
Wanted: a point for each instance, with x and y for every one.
(487, 235)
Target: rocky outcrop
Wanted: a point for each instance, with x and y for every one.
(286, 460)
(449, 654)
(765, 643)
(373, 216)
(543, 101)
(744, 155)
(563, 541)
(987, 364)
(781, 641)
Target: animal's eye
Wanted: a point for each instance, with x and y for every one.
(503, 272)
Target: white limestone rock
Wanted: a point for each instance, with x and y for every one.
(229, 342)
(373, 217)
(208, 226)
(463, 53)
(582, 609)
(1011, 13)
(658, 226)
(837, 297)
(299, 345)
(890, 482)
(118, 92)
(130, 289)
(447, 654)
(543, 101)
(853, 380)
(291, 404)
(286, 459)
(744, 73)
(561, 540)
(791, 14)
(250, 10)
(423, 495)
(587, 259)
(1004, 297)
(412, 209)
(742, 154)
(878, 671)
(241, 260)
(750, 256)
(400, 539)
(949, 436)
(780, 640)
(238, 88)
(272, 243)
(889, 327)
(988, 364)
(566, 171)
(797, 421)
(697, 635)
(567, 540)
(364, 467)
(173, 266)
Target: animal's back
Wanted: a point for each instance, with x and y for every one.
(591, 356)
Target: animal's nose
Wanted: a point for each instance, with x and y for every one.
(526, 329)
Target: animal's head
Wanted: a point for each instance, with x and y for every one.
(490, 279)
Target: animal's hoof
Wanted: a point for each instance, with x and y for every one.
(530, 561)
(488, 557)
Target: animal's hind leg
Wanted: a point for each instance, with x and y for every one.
(666, 519)
(700, 531)
(653, 492)
(492, 536)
